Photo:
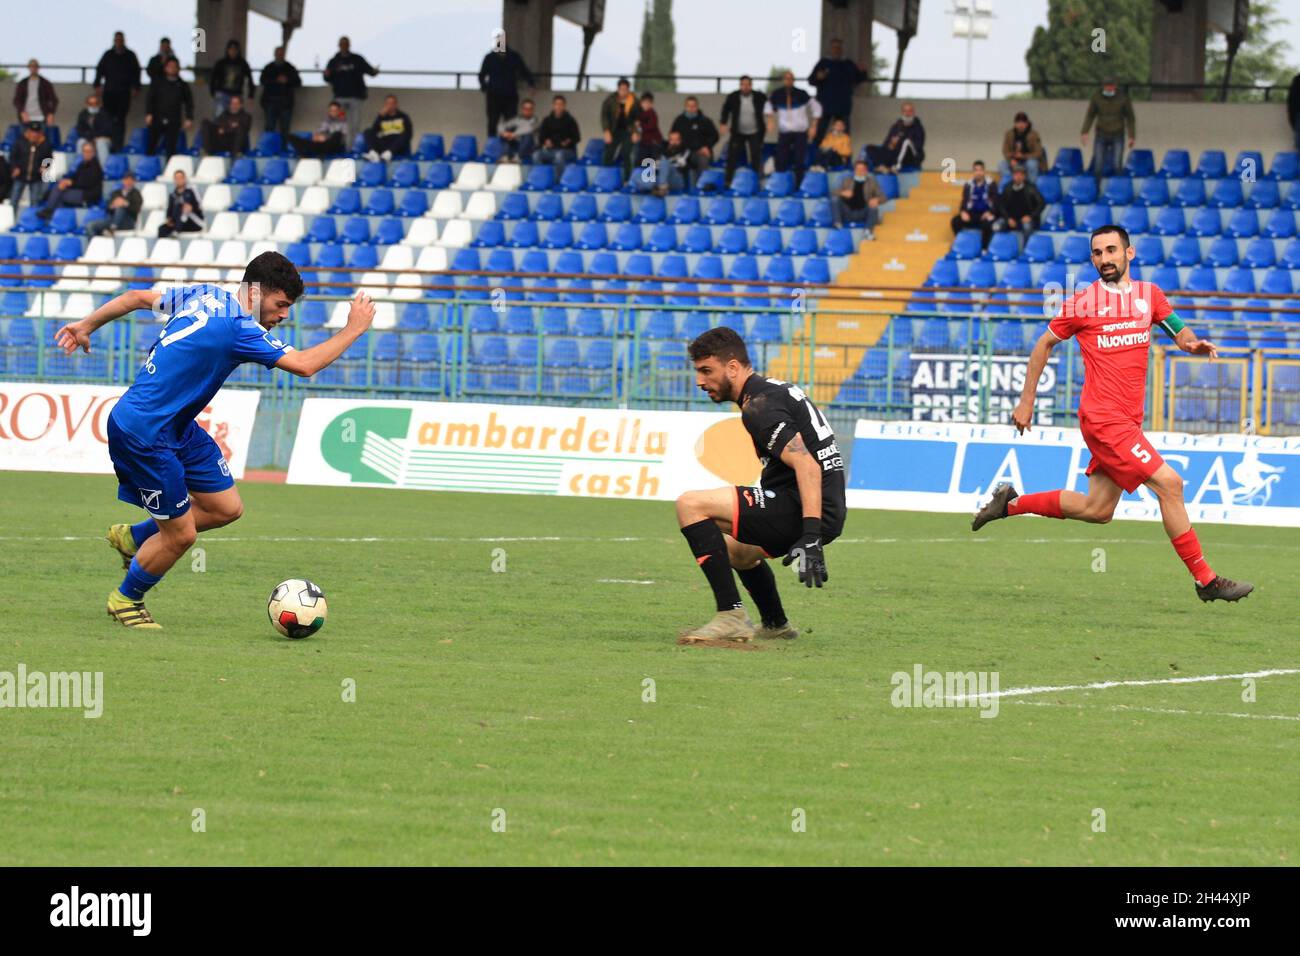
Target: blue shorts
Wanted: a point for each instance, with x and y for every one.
(159, 477)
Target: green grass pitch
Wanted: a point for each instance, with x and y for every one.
(486, 697)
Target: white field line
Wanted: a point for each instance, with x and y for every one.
(562, 538)
(621, 581)
(1122, 708)
(1108, 684)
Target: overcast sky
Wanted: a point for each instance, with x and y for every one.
(713, 36)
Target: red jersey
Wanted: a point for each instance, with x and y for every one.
(1113, 328)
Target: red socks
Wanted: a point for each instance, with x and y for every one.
(1045, 503)
(1189, 549)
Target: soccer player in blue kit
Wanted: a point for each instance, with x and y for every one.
(165, 463)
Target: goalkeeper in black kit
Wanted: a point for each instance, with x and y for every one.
(793, 513)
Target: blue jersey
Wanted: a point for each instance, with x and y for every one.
(207, 336)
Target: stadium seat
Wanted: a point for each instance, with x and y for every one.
(464, 149)
(627, 238)
(582, 208)
(1205, 222)
(733, 240)
(1242, 224)
(1140, 163)
(1286, 166)
(549, 208)
(719, 211)
(573, 179)
(815, 185)
(274, 172)
(1170, 221)
(1278, 282)
(381, 203)
(966, 245)
(663, 238)
(744, 183)
(685, 211)
(1238, 279)
(767, 241)
(1177, 164)
(505, 178)
(652, 210)
(1220, 253)
(1075, 249)
(1050, 187)
(1259, 254)
(790, 213)
(779, 185)
(839, 242)
(1083, 190)
(1134, 221)
(608, 179)
(347, 202)
(1118, 191)
(439, 176)
(1148, 250)
(697, 239)
(1202, 279)
(1212, 165)
(415, 203)
(618, 208)
(744, 268)
(815, 271)
(431, 147)
(1264, 194)
(559, 235)
(490, 234)
(524, 234)
(1227, 194)
(1069, 162)
(1185, 251)
(592, 236)
(1097, 215)
(803, 242)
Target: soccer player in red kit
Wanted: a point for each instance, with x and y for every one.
(1112, 321)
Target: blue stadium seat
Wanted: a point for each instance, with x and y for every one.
(1154, 192)
(1202, 279)
(431, 147)
(1096, 216)
(1075, 249)
(1286, 166)
(981, 275)
(608, 179)
(492, 233)
(561, 353)
(743, 269)
(592, 237)
(63, 221)
(685, 210)
(273, 173)
(1185, 251)
(779, 185)
(627, 238)
(1212, 165)
(573, 179)
(755, 212)
(539, 179)
(821, 215)
(582, 209)
(249, 199)
(734, 239)
(839, 242)
(439, 176)
(803, 242)
(1177, 164)
(710, 182)
(569, 263)
(381, 203)
(652, 210)
(588, 323)
(1205, 222)
(550, 207)
(663, 238)
(1237, 278)
(356, 230)
(1118, 191)
(68, 249)
(708, 267)
(524, 234)
(1038, 248)
(464, 149)
(719, 212)
(592, 153)
(1016, 275)
(1083, 190)
(1277, 282)
(744, 183)
(1140, 163)
(118, 164)
(888, 185)
(1242, 224)
(1170, 221)
(815, 185)
(1134, 221)
(559, 235)
(966, 245)
(767, 241)
(659, 325)
(347, 202)
(1263, 195)
(790, 213)
(493, 150)
(1148, 250)
(323, 229)
(1166, 277)
(1050, 187)
(1221, 253)
(415, 202)
(697, 239)
(371, 175)
(363, 257)
(1069, 162)
(815, 271)
(639, 264)
(1227, 194)
(1259, 254)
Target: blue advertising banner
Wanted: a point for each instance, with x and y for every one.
(933, 466)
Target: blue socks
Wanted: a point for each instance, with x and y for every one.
(143, 531)
(137, 581)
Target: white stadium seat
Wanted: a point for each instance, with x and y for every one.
(281, 198)
(456, 234)
(472, 176)
(216, 198)
(211, 169)
(207, 274)
(152, 221)
(404, 285)
(199, 252)
(307, 172)
(58, 166)
(99, 249)
(341, 172)
(232, 253)
(133, 250)
(256, 226)
(224, 225)
(385, 315)
(432, 259)
(45, 303)
(180, 161)
(397, 258)
(374, 284)
(446, 205)
(74, 276)
(153, 195)
(315, 200)
(289, 228)
(77, 305)
(481, 205)
(108, 278)
(339, 314)
(507, 178)
(264, 245)
(6, 217)
(165, 252)
(423, 232)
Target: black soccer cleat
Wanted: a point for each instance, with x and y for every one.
(1223, 589)
(996, 507)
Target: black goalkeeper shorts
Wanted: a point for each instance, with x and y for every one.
(770, 519)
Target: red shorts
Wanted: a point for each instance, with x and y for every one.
(1120, 450)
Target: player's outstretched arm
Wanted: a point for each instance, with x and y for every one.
(1187, 341)
(1023, 414)
(76, 335)
(308, 362)
(808, 549)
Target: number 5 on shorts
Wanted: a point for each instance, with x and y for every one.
(1141, 453)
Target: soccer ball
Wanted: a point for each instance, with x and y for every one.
(297, 608)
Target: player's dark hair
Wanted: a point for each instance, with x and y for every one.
(1123, 234)
(274, 273)
(721, 343)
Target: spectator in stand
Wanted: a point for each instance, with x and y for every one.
(699, 135)
(228, 77)
(1113, 112)
(672, 165)
(169, 107)
(742, 116)
(1020, 205)
(123, 209)
(835, 150)
(559, 137)
(1293, 108)
(793, 115)
(96, 126)
(184, 214)
(329, 138)
(6, 180)
(499, 77)
(858, 199)
(519, 134)
(30, 156)
(904, 146)
(979, 204)
(650, 138)
(346, 74)
(1021, 146)
(390, 134)
(157, 67)
(34, 97)
(83, 187)
(117, 80)
(228, 133)
(280, 84)
(834, 77)
(618, 116)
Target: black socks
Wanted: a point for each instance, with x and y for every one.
(760, 582)
(710, 552)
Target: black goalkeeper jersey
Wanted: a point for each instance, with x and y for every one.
(773, 412)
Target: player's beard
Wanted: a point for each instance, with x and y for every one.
(1120, 270)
